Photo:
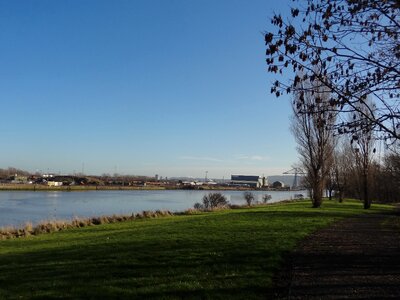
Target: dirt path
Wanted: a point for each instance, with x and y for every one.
(357, 258)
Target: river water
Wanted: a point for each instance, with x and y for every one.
(19, 207)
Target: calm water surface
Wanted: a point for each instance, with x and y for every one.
(19, 207)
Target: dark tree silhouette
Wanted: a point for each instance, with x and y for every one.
(314, 137)
(214, 200)
(363, 146)
(352, 47)
(249, 197)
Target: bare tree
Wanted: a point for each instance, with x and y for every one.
(213, 200)
(378, 180)
(343, 160)
(11, 171)
(330, 182)
(388, 180)
(364, 142)
(266, 198)
(313, 134)
(356, 46)
(249, 197)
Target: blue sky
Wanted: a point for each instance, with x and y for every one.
(168, 87)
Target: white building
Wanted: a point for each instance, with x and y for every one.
(249, 180)
(54, 183)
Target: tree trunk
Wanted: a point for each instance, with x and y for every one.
(317, 194)
(317, 201)
(339, 190)
(367, 202)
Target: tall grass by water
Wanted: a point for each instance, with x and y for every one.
(226, 254)
(57, 225)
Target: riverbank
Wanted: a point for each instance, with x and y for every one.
(224, 254)
(19, 207)
(77, 188)
(71, 188)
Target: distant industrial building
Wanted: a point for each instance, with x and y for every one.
(249, 180)
(278, 185)
(19, 179)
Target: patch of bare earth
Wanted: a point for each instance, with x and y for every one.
(356, 258)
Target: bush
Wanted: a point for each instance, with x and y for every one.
(235, 206)
(214, 200)
(198, 206)
(299, 196)
(266, 198)
(249, 197)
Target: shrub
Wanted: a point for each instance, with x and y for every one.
(249, 197)
(191, 211)
(299, 196)
(235, 206)
(96, 221)
(266, 198)
(198, 206)
(28, 226)
(214, 200)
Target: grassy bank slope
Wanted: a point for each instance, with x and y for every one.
(226, 254)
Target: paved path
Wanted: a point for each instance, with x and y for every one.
(356, 258)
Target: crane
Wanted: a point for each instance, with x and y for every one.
(296, 172)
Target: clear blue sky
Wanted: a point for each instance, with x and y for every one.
(168, 87)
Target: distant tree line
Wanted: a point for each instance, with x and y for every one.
(10, 171)
(368, 176)
(364, 166)
(79, 178)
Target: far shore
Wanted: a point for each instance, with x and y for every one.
(69, 188)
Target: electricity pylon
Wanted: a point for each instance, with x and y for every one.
(296, 172)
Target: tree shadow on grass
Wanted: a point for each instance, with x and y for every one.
(355, 258)
(126, 267)
(207, 258)
(74, 276)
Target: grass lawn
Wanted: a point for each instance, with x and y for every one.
(219, 255)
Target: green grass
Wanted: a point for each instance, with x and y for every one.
(219, 255)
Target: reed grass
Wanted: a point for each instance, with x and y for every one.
(49, 226)
(28, 229)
